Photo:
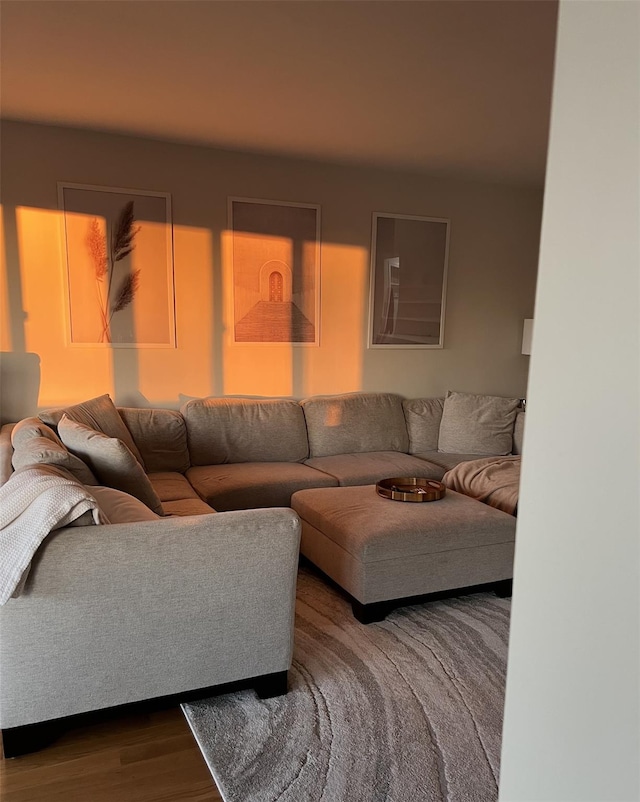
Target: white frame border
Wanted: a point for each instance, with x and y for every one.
(374, 230)
(62, 185)
(231, 199)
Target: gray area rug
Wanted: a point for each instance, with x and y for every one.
(407, 710)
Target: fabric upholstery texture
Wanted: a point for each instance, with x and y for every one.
(154, 608)
(28, 428)
(373, 528)
(36, 449)
(477, 424)
(187, 506)
(96, 413)
(111, 461)
(161, 437)
(121, 508)
(378, 549)
(447, 461)
(518, 432)
(257, 484)
(423, 417)
(230, 430)
(355, 422)
(372, 466)
(171, 486)
(6, 452)
(399, 577)
(35, 501)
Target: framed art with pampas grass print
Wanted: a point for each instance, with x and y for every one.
(118, 254)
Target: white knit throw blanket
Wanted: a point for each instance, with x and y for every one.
(33, 502)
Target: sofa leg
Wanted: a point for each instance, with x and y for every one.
(271, 684)
(503, 589)
(370, 613)
(18, 741)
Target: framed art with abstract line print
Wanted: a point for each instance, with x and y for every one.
(408, 286)
(275, 271)
(118, 255)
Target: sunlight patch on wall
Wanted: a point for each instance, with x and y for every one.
(296, 370)
(5, 318)
(169, 376)
(67, 375)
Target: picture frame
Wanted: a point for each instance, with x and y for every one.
(275, 272)
(408, 281)
(118, 266)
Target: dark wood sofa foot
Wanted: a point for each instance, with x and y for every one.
(18, 741)
(503, 589)
(271, 684)
(370, 613)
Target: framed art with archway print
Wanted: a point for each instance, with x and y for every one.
(275, 271)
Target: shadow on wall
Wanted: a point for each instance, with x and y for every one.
(23, 371)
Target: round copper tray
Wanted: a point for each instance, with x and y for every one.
(411, 489)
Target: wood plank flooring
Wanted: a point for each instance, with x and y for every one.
(146, 757)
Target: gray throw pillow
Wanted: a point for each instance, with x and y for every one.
(99, 414)
(477, 424)
(111, 461)
(121, 508)
(35, 449)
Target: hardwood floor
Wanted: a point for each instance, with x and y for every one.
(147, 757)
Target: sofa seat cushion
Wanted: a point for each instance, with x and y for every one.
(366, 469)
(242, 486)
(448, 461)
(355, 422)
(171, 486)
(187, 506)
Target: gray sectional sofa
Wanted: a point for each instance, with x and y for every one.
(192, 583)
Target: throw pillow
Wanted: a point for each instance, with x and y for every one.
(477, 424)
(38, 450)
(96, 413)
(28, 428)
(121, 508)
(111, 461)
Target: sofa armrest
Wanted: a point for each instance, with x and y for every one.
(119, 613)
(6, 452)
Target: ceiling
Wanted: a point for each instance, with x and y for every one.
(453, 86)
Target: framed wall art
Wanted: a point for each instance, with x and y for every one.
(408, 281)
(118, 255)
(275, 271)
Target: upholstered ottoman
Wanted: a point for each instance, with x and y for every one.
(380, 550)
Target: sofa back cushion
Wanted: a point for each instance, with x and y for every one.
(423, 416)
(96, 413)
(355, 423)
(34, 443)
(111, 461)
(161, 438)
(477, 424)
(222, 430)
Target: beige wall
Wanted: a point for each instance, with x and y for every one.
(491, 283)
